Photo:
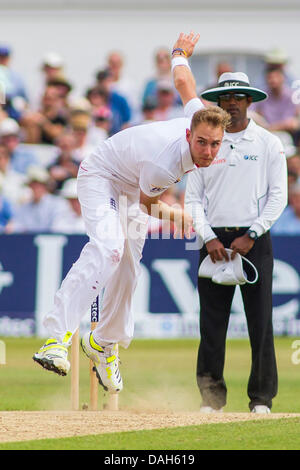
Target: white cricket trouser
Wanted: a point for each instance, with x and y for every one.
(110, 260)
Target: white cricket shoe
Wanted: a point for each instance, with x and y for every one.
(261, 409)
(106, 363)
(53, 355)
(209, 409)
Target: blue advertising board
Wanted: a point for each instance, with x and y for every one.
(166, 301)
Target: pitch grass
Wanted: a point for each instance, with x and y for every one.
(252, 435)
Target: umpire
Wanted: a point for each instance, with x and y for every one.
(241, 195)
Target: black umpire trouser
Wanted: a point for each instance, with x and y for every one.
(215, 306)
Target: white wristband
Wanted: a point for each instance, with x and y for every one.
(208, 239)
(180, 61)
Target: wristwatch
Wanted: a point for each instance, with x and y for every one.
(252, 234)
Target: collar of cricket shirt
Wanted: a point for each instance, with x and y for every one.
(186, 157)
(249, 133)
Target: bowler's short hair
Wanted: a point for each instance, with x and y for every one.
(213, 116)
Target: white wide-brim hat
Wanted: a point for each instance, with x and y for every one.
(9, 127)
(37, 174)
(233, 81)
(69, 189)
(228, 273)
(54, 60)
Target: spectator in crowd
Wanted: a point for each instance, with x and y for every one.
(63, 87)
(293, 159)
(65, 166)
(94, 115)
(221, 67)
(45, 125)
(52, 66)
(80, 122)
(20, 157)
(289, 221)
(6, 211)
(100, 127)
(162, 59)
(70, 219)
(12, 182)
(292, 180)
(16, 95)
(80, 104)
(3, 113)
(292, 155)
(117, 103)
(293, 164)
(121, 84)
(97, 97)
(276, 58)
(148, 111)
(40, 213)
(165, 108)
(279, 111)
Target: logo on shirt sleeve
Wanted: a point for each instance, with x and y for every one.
(113, 204)
(157, 189)
(218, 161)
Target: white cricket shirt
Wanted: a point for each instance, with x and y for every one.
(245, 186)
(152, 156)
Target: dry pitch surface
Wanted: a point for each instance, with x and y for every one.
(31, 425)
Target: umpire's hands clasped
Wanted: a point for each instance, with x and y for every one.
(241, 245)
(217, 252)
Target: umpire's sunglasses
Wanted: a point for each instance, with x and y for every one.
(236, 96)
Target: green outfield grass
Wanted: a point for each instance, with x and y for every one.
(158, 375)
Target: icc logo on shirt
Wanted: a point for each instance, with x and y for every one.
(250, 157)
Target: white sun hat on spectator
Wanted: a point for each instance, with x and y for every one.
(38, 174)
(276, 56)
(69, 189)
(80, 105)
(165, 85)
(9, 127)
(228, 273)
(52, 59)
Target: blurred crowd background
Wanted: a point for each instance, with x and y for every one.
(43, 140)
